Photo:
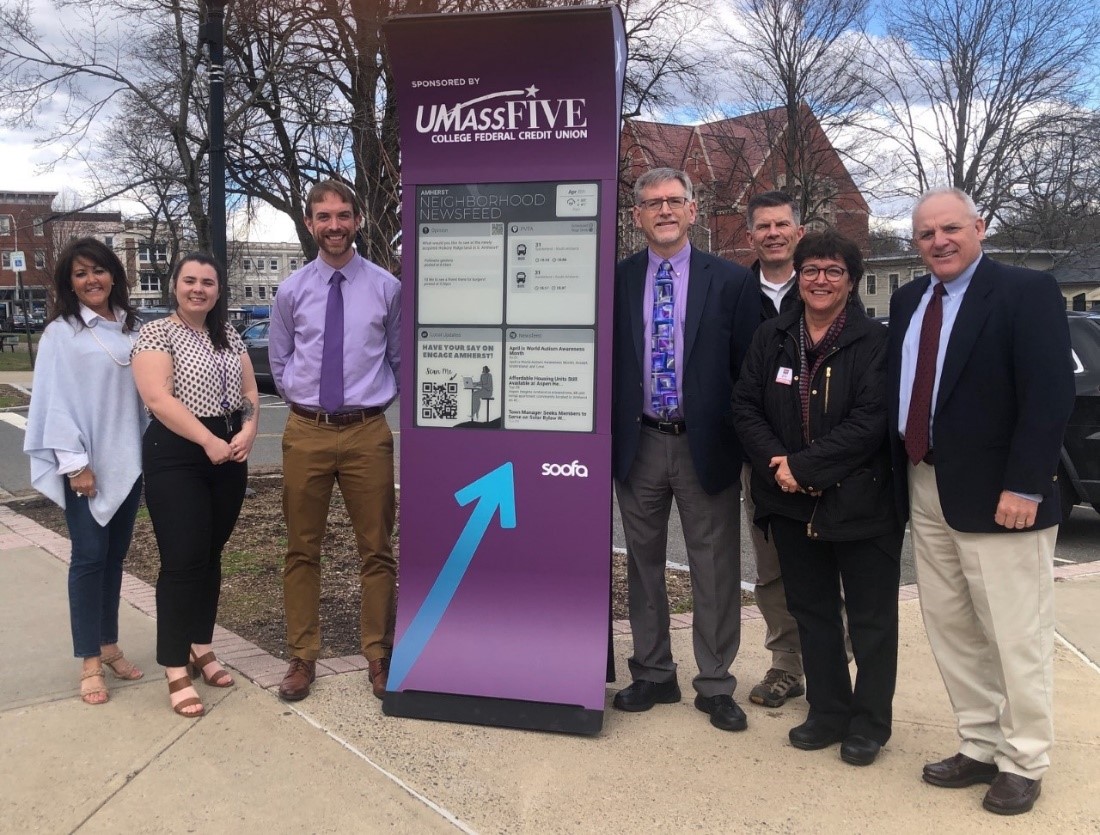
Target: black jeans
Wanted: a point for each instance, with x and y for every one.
(193, 506)
(870, 570)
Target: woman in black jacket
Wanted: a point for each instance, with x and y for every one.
(810, 410)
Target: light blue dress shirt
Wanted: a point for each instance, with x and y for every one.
(954, 291)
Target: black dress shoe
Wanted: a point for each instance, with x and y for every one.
(724, 712)
(958, 772)
(814, 734)
(642, 695)
(859, 750)
(1012, 794)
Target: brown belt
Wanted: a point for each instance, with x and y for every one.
(336, 418)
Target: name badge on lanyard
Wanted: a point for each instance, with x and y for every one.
(785, 376)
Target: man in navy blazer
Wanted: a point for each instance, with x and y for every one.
(978, 483)
(683, 321)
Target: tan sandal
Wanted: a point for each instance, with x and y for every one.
(90, 695)
(175, 686)
(121, 667)
(220, 678)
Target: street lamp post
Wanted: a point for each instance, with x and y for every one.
(213, 34)
(19, 296)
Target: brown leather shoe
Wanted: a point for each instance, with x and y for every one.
(958, 772)
(299, 676)
(378, 671)
(1012, 794)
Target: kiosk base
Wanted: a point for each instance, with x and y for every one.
(483, 710)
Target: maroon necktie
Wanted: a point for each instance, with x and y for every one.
(332, 354)
(924, 379)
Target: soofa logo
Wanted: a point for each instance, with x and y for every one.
(574, 470)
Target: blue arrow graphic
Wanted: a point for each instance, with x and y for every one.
(495, 489)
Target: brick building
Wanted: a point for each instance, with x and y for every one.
(24, 227)
(729, 161)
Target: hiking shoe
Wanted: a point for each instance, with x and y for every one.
(776, 688)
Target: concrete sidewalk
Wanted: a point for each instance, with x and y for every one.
(334, 763)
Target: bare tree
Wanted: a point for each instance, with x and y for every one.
(325, 107)
(798, 65)
(131, 70)
(668, 65)
(1055, 203)
(967, 85)
(309, 96)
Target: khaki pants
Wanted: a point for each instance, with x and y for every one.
(360, 458)
(988, 606)
(781, 637)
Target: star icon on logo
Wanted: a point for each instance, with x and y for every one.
(531, 91)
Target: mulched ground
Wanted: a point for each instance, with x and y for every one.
(11, 397)
(252, 591)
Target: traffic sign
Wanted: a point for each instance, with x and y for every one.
(18, 261)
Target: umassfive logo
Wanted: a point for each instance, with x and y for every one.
(573, 470)
(504, 115)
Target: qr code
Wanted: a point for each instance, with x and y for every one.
(438, 401)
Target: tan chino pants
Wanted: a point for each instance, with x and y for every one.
(359, 457)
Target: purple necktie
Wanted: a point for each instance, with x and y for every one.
(924, 378)
(663, 398)
(332, 355)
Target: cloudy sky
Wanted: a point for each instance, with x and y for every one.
(30, 166)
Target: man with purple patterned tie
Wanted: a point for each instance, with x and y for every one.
(683, 321)
(334, 342)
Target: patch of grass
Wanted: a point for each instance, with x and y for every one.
(241, 562)
(12, 397)
(143, 513)
(18, 360)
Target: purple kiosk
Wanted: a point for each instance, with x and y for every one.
(509, 164)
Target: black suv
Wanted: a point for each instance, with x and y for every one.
(1079, 473)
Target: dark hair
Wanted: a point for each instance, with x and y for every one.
(65, 303)
(831, 244)
(217, 320)
(771, 200)
(336, 188)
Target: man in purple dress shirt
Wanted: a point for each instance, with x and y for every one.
(683, 322)
(337, 380)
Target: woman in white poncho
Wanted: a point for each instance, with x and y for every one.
(84, 441)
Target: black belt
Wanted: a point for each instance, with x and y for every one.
(665, 427)
(336, 418)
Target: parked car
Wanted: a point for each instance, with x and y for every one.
(19, 322)
(255, 340)
(1079, 474)
(1079, 468)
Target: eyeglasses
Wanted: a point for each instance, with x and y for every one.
(832, 273)
(655, 204)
